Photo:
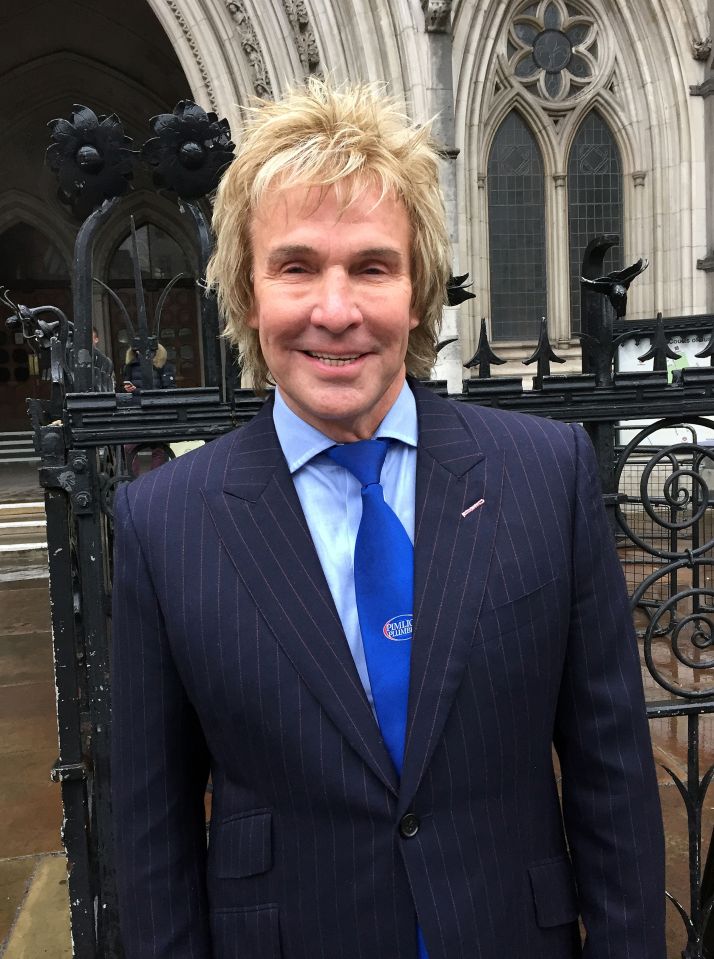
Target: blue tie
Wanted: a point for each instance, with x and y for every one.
(384, 590)
(384, 572)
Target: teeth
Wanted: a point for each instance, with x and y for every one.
(333, 360)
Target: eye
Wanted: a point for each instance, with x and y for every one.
(374, 269)
(294, 268)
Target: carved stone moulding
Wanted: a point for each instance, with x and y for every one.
(705, 89)
(701, 48)
(437, 15)
(193, 47)
(304, 35)
(250, 45)
(707, 264)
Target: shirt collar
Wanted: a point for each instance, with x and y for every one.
(301, 442)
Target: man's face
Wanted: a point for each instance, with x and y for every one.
(332, 305)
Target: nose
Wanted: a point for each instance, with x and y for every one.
(335, 308)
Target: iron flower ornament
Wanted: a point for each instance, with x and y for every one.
(190, 150)
(91, 157)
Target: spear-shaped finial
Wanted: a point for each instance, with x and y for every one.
(484, 356)
(141, 342)
(660, 351)
(708, 349)
(543, 356)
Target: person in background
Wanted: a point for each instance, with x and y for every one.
(163, 378)
(103, 365)
(163, 375)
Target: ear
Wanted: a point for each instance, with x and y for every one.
(413, 320)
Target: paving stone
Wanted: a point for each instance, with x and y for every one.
(24, 610)
(19, 482)
(29, 801)
(25, 658)
(42, 926)
(14, 880)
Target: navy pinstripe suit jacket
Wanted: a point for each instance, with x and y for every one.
(229, 657)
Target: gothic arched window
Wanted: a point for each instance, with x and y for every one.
(594, 199)
(160, 256)
(516, 218)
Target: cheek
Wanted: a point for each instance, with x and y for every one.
(278, 327)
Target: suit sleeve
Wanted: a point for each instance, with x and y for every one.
(159, 771)
(610, 799)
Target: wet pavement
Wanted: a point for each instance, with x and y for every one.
(32, 864)
(33, 890)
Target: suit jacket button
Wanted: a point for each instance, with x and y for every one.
(409, 825)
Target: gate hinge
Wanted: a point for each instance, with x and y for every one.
(58, 477)
(63, 772)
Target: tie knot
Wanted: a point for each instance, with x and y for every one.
(364, 459)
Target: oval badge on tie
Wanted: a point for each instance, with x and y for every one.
(398, 628)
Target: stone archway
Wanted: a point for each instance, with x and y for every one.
(234, 50)
(61, 57)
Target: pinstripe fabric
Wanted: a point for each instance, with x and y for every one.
(229, 655)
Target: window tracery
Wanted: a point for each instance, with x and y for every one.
(553, 50)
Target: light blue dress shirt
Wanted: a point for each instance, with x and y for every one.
(331, 499)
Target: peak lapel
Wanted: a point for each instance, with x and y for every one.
(452, 557)
(257, 515)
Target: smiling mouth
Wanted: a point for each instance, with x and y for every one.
(332, 360)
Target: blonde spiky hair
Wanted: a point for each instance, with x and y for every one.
(348, 138)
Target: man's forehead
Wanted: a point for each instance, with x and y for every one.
(347, 197)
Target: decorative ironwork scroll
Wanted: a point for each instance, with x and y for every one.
(669, 517)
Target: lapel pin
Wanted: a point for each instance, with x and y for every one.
(472, 508)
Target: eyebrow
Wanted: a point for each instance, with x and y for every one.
(381, 251)
(282, 253)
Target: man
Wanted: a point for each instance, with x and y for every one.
(379, 791)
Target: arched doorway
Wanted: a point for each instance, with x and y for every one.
(60, 59)
(36, 273)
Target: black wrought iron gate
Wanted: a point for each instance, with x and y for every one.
(656, 488)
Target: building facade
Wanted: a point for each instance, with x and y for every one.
(558, 119)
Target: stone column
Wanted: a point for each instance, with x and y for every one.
(437, 23)
(701, 50)
(558, 261)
